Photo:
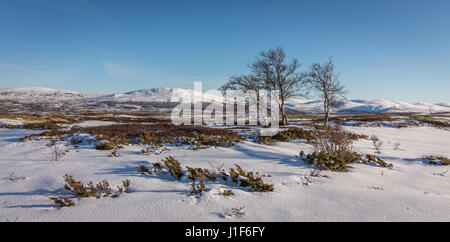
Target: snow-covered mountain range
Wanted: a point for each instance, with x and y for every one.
(41, 96)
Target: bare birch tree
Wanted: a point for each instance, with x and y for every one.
(270, 71)
(325, 82)
(276, 74)
(245, 83)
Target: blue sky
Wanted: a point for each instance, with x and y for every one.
(390, 49)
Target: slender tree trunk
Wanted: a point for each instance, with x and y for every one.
(326, 107)
(284, 119)
(258, 122)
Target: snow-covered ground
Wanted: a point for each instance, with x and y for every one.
(411, 191)
(94, 123)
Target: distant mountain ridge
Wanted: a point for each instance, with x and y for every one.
(41, 95)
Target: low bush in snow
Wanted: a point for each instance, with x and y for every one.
(147, 151)
(143, 170)
(63, 202)
(249, 179)
(234, 212)
(377, 143)
(104, 145)
(174, 167)
(13, 177)
(286, 136)
(56, 153)
(198, 188)
(193, 173)
(237, 175)
(157, 166)
(78, 189)
(227, 193)
(333, 150)
(377, 160)
(438, 160)
(326, 161)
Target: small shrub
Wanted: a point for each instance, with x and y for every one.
(115, 152)
(306, 180)
(316, 171)
(377, 143)
(217, 168)
(104, 145)
(147, 151)
(438, 160)
(377, 160)
(302, 154)
(78, 189)
(13, 177)
(198, 188)
(105, 187)
(174, 167)
(250, 179)
(157, 167)
(210, 175)
(142, 169)
(63, 202)
(333, 150)
(126, 185)
(326, 161)
(285, 136)
(266, 140)
(56, 153)
(334, 141)
(234, 175)
(282, 136)
(234, 212)
(227, 193)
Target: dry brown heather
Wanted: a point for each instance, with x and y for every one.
(159, 129)
(55, 121)
(158, 133)
(122, 119)
(44, 121)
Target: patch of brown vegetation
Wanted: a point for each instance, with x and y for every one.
(151, 134)
(438, 160)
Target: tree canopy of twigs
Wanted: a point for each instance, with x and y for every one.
(271, 71)
(326, 84)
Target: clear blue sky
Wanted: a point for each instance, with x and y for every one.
(391, 49)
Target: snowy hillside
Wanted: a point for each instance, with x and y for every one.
(159, 95)
(369, 106)
(38, 95)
